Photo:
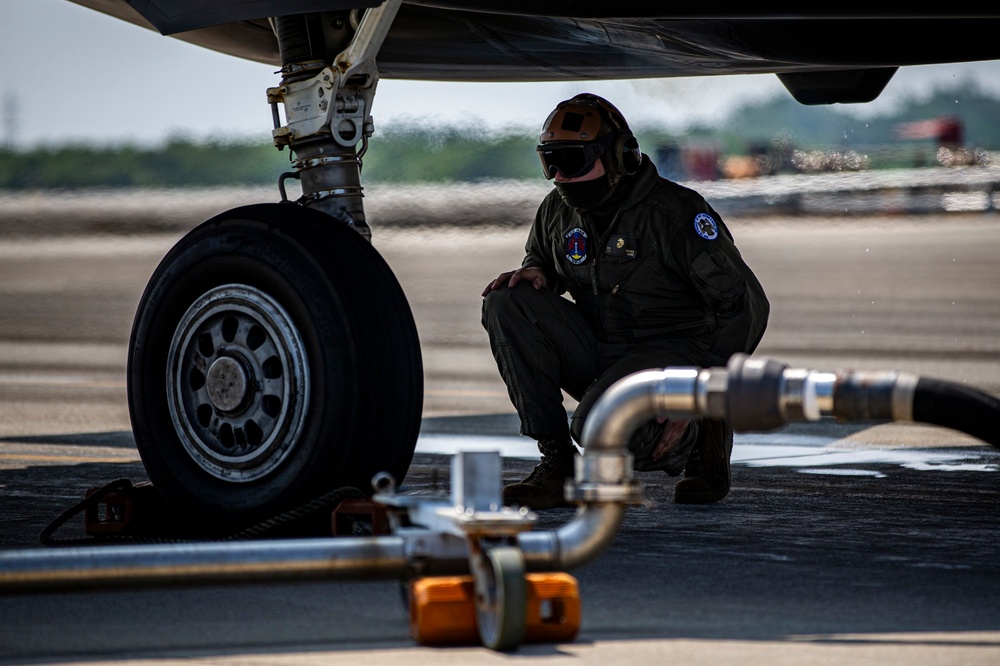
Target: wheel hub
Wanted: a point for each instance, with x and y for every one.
(226, 384)
(238, 383)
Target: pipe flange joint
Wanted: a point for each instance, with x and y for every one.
(754, 393)
(604, 468)
(710, 396)
(605, 477)
(630, 493)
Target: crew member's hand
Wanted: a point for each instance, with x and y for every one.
(532, 274)
(670, 437)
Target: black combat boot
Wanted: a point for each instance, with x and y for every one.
(706, 475)
(544, 487)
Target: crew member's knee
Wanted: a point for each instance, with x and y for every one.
(500, 304)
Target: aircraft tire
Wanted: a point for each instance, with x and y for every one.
(273, 358)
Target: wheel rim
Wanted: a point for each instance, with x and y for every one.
(237, 383)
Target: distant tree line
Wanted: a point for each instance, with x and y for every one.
(178, 162)
(412, 153)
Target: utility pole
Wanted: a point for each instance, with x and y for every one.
(11, 120)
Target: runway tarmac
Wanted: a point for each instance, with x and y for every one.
(840, 543)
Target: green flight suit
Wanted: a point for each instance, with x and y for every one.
(647, 292)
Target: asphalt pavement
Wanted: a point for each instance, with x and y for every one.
(839, 543)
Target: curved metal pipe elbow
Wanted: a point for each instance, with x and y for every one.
(576, 543)
(603, 481)
(634, 400)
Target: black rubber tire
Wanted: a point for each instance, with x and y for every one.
(359, 351)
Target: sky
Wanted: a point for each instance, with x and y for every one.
(73, 74)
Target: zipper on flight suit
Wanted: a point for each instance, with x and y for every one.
(635, 265)
(600, 248)
(593, 264)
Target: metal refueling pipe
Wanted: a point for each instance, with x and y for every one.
(764, 394)
(412, 553)
(603, 487)
(754, 394)
(200, 564)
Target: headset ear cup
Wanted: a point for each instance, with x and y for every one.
(625, 155)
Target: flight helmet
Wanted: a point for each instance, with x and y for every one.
(580, 131)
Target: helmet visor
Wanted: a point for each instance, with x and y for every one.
(570, 159)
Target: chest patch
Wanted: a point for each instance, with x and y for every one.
(619, 246)
(576, 246)
(706, 226)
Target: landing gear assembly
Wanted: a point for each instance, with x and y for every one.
(273, 355)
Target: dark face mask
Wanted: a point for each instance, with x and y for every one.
(587, 194)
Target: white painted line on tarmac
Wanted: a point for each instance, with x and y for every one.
(810, 454)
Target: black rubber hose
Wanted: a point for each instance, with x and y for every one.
(959, 408)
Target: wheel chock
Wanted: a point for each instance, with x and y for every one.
(129, 510)
(112, 514)
(351, 516)
(443, 609)
(133, 510)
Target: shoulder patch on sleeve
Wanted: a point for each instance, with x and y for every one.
(706, 226)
